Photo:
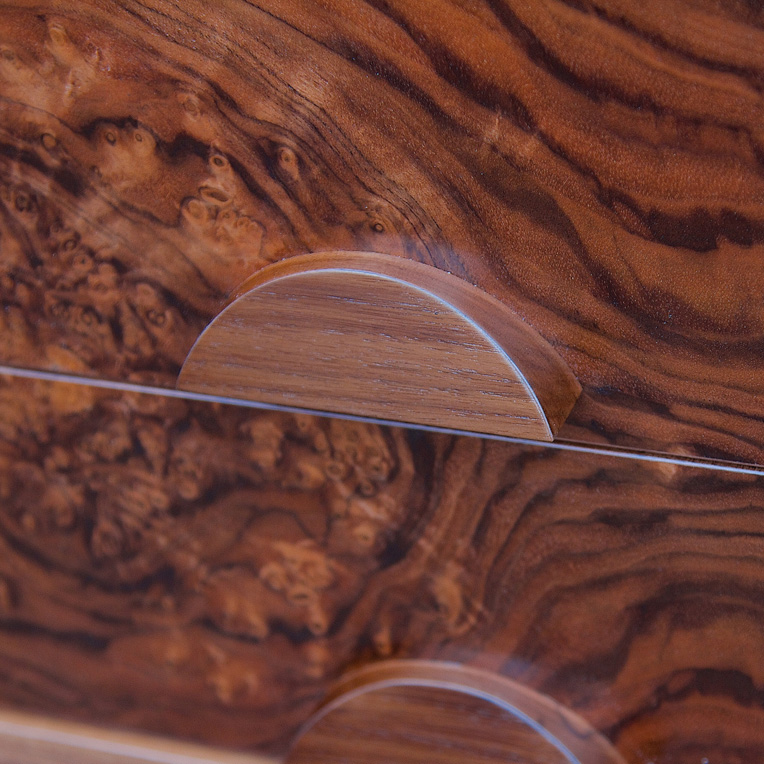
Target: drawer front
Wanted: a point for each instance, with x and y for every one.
(596, 169)
(210, 571)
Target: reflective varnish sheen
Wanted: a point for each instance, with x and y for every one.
(209, 572)
(595, 165)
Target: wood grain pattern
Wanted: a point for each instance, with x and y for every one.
(209, 572)
(414, 725)
(364, 334)
(26, 739)
(417, 712)
(595, 165)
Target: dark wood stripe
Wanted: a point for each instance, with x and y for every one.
(209, 570)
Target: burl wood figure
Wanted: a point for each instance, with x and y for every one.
(211, 572)
(595, 166)
(540, 220)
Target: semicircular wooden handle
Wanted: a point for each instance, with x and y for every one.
(418, 712)
(378, 336)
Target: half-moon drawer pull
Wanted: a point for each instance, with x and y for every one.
(379, 336)
(418, 712)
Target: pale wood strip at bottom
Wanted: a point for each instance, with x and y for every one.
(27, 739)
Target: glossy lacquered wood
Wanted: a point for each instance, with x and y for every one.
(419, 712)
(209, 572)
(365, 334)
(594, 166)
(27, 739)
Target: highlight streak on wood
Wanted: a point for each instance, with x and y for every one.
(27, 739)
(365, 334)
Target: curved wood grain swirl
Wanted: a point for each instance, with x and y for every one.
(209, 571)
(598, 166)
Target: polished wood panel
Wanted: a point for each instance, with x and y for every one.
(596, 166)
(210, 571)
(418, 712)
(364, 334)
(26, 739)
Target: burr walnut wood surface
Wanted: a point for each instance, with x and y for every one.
(209, 572)
(596, 166)
(420, 712)
(360, 333)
